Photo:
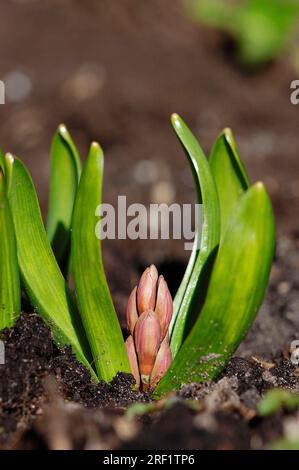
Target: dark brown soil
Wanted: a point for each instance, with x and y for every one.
(30, 359)
(141, 61)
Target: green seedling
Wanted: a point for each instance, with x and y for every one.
(261, 29)
(276, 400)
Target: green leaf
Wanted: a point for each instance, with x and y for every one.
(6, 164)
(229, 174)
(185, 302)
(236, 290)
(44, 283)
(10, 293)
(94, 299)
(65, 175)
(275, 400)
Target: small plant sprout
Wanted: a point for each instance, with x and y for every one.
(277, 399)
(149, 313)
(261, 29)
(170, 343)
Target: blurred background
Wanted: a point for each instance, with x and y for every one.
(114, 71)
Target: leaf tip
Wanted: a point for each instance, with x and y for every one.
(176, 120)
(62, 130)
(9, 157)
(228, 134)
(96, 155)
(96, 149)
(261, 195)
(259, 188)
(95, 145)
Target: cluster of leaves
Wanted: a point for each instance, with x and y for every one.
(261, 29)
(220, 293)
(87, 322)
(226, 277)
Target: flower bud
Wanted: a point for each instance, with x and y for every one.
(163, 306)
(147, 337)
(162, 363)
(131, 312)
(149, 312)
(133, 359)
(147, 289)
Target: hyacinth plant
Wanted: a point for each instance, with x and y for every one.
(169, 343)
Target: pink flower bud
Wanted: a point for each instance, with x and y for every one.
(147, 289)
(147, 337)
(149, 312)
(164, 306)
(163, 361)
(131, 313)
(133, 359)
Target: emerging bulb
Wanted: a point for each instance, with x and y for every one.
(149, 312)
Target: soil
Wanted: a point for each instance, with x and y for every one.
(48, 400)
(114, 72)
